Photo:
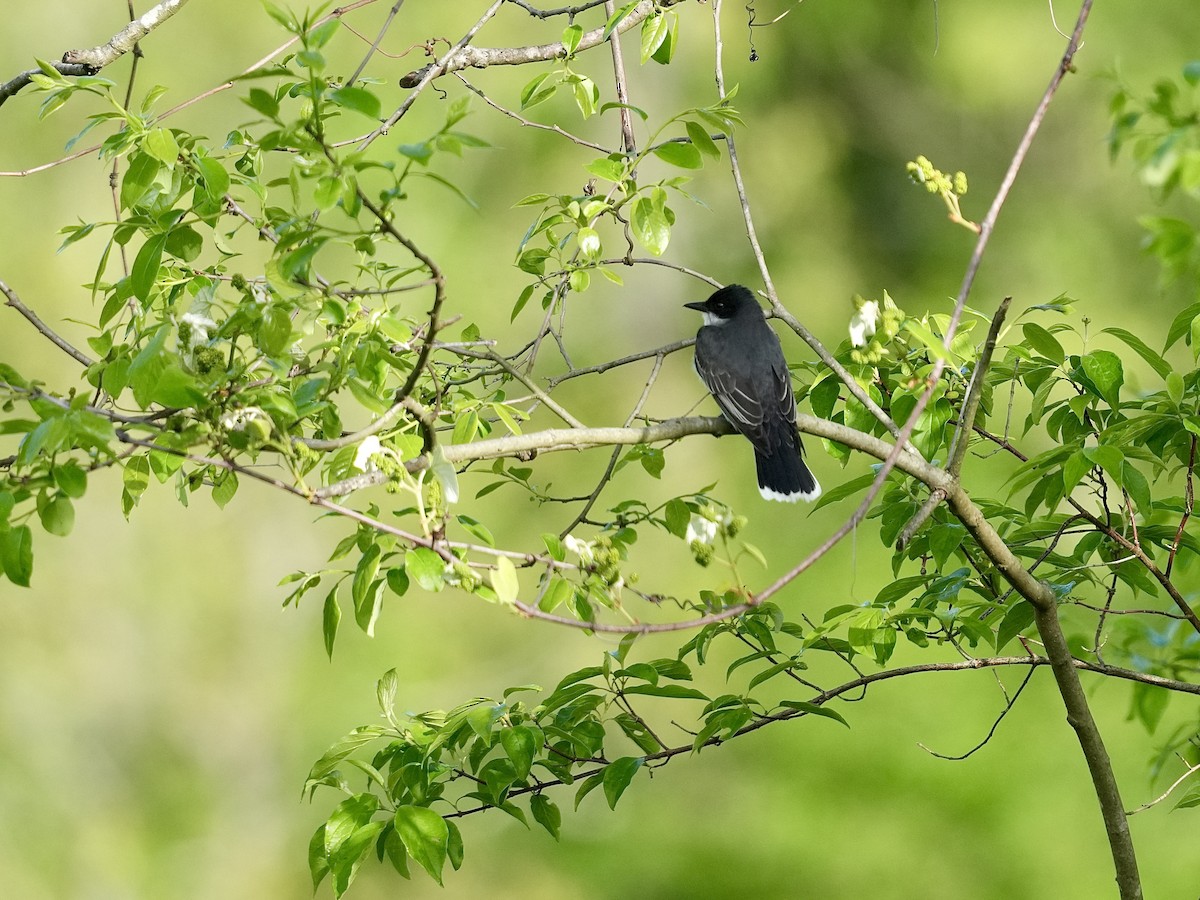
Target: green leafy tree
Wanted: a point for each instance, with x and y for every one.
(268, 308)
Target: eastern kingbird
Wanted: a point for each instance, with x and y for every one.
(739, 359)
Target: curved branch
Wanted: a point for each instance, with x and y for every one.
(88, 62)
(11, 299)
(822, 698)
(467, 57)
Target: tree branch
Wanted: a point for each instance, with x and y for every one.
(466, 57)
(88, 62)
(11, 299)
(824, 697)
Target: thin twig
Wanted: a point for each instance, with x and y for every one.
(1192, 770)
(825, 697)
(387, 23)
(11, 299)
(991, 731)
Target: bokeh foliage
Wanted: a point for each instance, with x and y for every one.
(1076, 390)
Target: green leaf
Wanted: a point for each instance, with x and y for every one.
(161, 144)
(1104, 369)
(650, 226)
(546, 814)
(1043, 342)
(357, 738)
(367, 591)
(345, 861)
(321, 34)
(224, 488)
(184, 243)
(397, 581)
(385, 693)
(331, 618)
(426, 568)
(813, 710)
(933, 344)
(842, 491)
(145, 267)
(263, 102)
(57, 514)
(685, 156)
(504, 581)
(701, 139)
(477, 529)
(1110, 459)
(608, 168)
(560, 591)
(520, 744)
(136, 476)
(1156, 362)
(589, 785)
(678, 515)
(174, 387)
(673, 691)
(666, 50)
(944, 539)
(534, 93)
(1018, 617)
(16, 554)
(505, 415)
(318, 862)
(358, 100)
(655, 29)
(617, 776)
(1189, 800)
(570, 38)
(1181, 325)
(425, 836)
(1138, 487)
(1175, 387)
(214, 177)
(70, 478)
(1149, 705)
(275, 332)
(139, 177)
(454, 842)
(616, 18)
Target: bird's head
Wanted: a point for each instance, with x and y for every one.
(729, 302)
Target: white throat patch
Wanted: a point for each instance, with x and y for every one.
(712, 319)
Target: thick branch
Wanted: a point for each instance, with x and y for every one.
(88, 62)
(553, 439)
(482, 57)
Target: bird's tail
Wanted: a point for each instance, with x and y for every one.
(784, 476)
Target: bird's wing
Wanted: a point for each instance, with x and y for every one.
(783, 390)
(737, 399)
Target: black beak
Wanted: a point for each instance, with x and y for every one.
(699, 305)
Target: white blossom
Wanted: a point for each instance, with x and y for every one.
(198, 328)
(582, 549)
(700, 529)
(369, 447)
(863, 322)
(237, 419)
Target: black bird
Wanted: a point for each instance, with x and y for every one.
(739, 359)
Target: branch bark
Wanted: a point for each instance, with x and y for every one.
(468, 57)
(88, 62)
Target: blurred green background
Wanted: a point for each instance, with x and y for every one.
(158, 710)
